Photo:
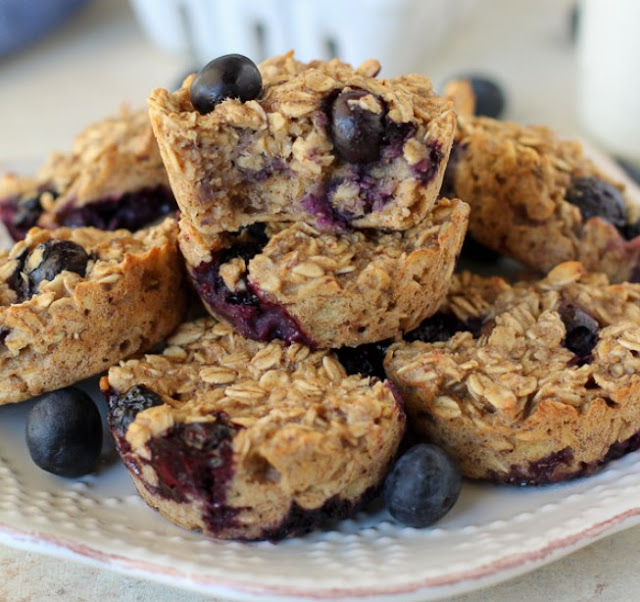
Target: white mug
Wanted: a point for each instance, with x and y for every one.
(609, 74)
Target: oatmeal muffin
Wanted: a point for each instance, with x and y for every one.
(113, 178)
(538, 199)
(527, 384)
(249, 440)
(321, 143)
(297, 283)
(75, 302)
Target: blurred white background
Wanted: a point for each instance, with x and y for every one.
(100, 58)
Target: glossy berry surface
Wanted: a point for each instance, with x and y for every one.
(45, 262)
(123, 408)
(366, 360)
(422, 487)
(489, 96)
(228, 76)
(597, 198)
(356, 132)
(64, 433)
(582, 331)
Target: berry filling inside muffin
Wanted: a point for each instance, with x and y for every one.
(252, 316)
(20, 214)
(132, 210)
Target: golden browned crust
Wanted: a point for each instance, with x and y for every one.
(353, 287)
(514, 405)
(130, 299)
(109, 158)
(515, 179)
(306, 432)
(262, 160)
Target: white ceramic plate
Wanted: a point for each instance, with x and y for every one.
(493, 533)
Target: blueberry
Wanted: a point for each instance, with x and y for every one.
(45, 262)
(422, 487)
(29, 211)
(489, 96)
(441, 326)
(228, 76)
(366, 360)
(597, 198)
(356, 132)
(582, 331)
(64, 433)
(123, 408)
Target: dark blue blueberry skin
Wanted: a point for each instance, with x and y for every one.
(597, 198)
(489, 96)
(55, 256)
(228, 76)
(366, 360)
(582, 332)
(422, 487)
(64, 433)
(356, 133)
(124, 407)
(490, 99)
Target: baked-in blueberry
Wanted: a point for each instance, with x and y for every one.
(597, 198)
(366, 360)
(356, 132)
(45, 262)
(19, 215)
(228, 76)
(50, 258)
(132, 210)
(582, 331)
(441, 326)
(64, 433)
(423, 486)
(123, 408)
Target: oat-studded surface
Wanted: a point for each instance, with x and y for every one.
(76, 325)
(515, 179)
(515, 404)
(354, 287)
(108, 159)
(306, 433)
(272, 158)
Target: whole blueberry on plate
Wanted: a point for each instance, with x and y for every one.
(64, 433)
(422, 487)
(228, 76)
